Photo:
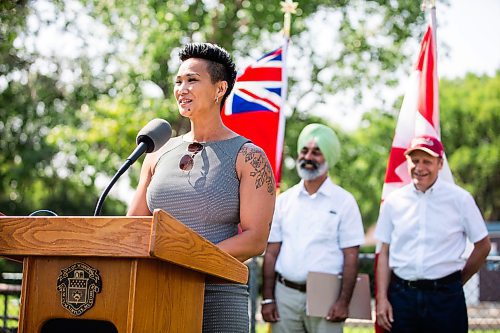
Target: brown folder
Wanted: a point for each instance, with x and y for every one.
(323, 289)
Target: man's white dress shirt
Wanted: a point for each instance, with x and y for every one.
(313, 230)
(427, 231)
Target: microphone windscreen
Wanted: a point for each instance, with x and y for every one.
(155, 134)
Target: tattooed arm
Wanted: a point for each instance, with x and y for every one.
(257, 198)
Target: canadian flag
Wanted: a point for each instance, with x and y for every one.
(419, 115)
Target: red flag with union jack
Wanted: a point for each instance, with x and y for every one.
(419, 115)
(255, 107)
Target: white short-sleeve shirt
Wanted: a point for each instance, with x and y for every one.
(427, 231)
(313, 230)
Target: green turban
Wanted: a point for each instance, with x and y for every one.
(325, 138)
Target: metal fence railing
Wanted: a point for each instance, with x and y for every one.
(9, 297)
(482, 294)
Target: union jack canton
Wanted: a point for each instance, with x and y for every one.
(253, 109)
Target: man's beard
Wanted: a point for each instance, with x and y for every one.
(310, 174)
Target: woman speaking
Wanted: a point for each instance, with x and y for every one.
(211, 179)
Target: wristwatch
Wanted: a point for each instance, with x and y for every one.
(267, 301)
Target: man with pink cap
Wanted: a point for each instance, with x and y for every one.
(423, 228)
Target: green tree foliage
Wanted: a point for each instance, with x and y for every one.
(67, 121)
(34, 174)
(364, 161)
(470, 126)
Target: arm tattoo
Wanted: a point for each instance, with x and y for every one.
(262, 170)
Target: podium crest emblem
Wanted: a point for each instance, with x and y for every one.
(78, 285)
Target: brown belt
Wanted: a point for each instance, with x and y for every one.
(290, 284)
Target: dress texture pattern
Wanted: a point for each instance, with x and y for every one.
(206, 199)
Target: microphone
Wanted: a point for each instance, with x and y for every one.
(149, 139)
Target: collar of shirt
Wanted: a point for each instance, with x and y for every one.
(434, 187)
(326, 189)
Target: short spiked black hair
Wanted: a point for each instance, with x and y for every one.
(220, 65)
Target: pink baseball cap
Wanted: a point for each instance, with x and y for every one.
(427, 143)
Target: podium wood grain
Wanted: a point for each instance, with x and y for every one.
(153, 269)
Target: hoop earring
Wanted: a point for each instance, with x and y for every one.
(216, 99)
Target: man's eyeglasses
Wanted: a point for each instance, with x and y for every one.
(187, 161)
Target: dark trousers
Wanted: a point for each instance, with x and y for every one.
(434, 309)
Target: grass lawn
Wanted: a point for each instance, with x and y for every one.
(263, 328)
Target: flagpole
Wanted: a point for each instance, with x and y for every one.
(445, 172)
(433, 24)
(431, 5)
(288, 7)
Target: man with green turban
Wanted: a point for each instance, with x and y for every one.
(325, 138)
(316, 228)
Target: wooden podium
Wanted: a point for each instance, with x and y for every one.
(142, 274)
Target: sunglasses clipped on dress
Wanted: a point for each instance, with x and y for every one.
(187, 161)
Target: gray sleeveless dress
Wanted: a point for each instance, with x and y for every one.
(206, 199)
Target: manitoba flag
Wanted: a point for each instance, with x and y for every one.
(255, 107)
(419, 115)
